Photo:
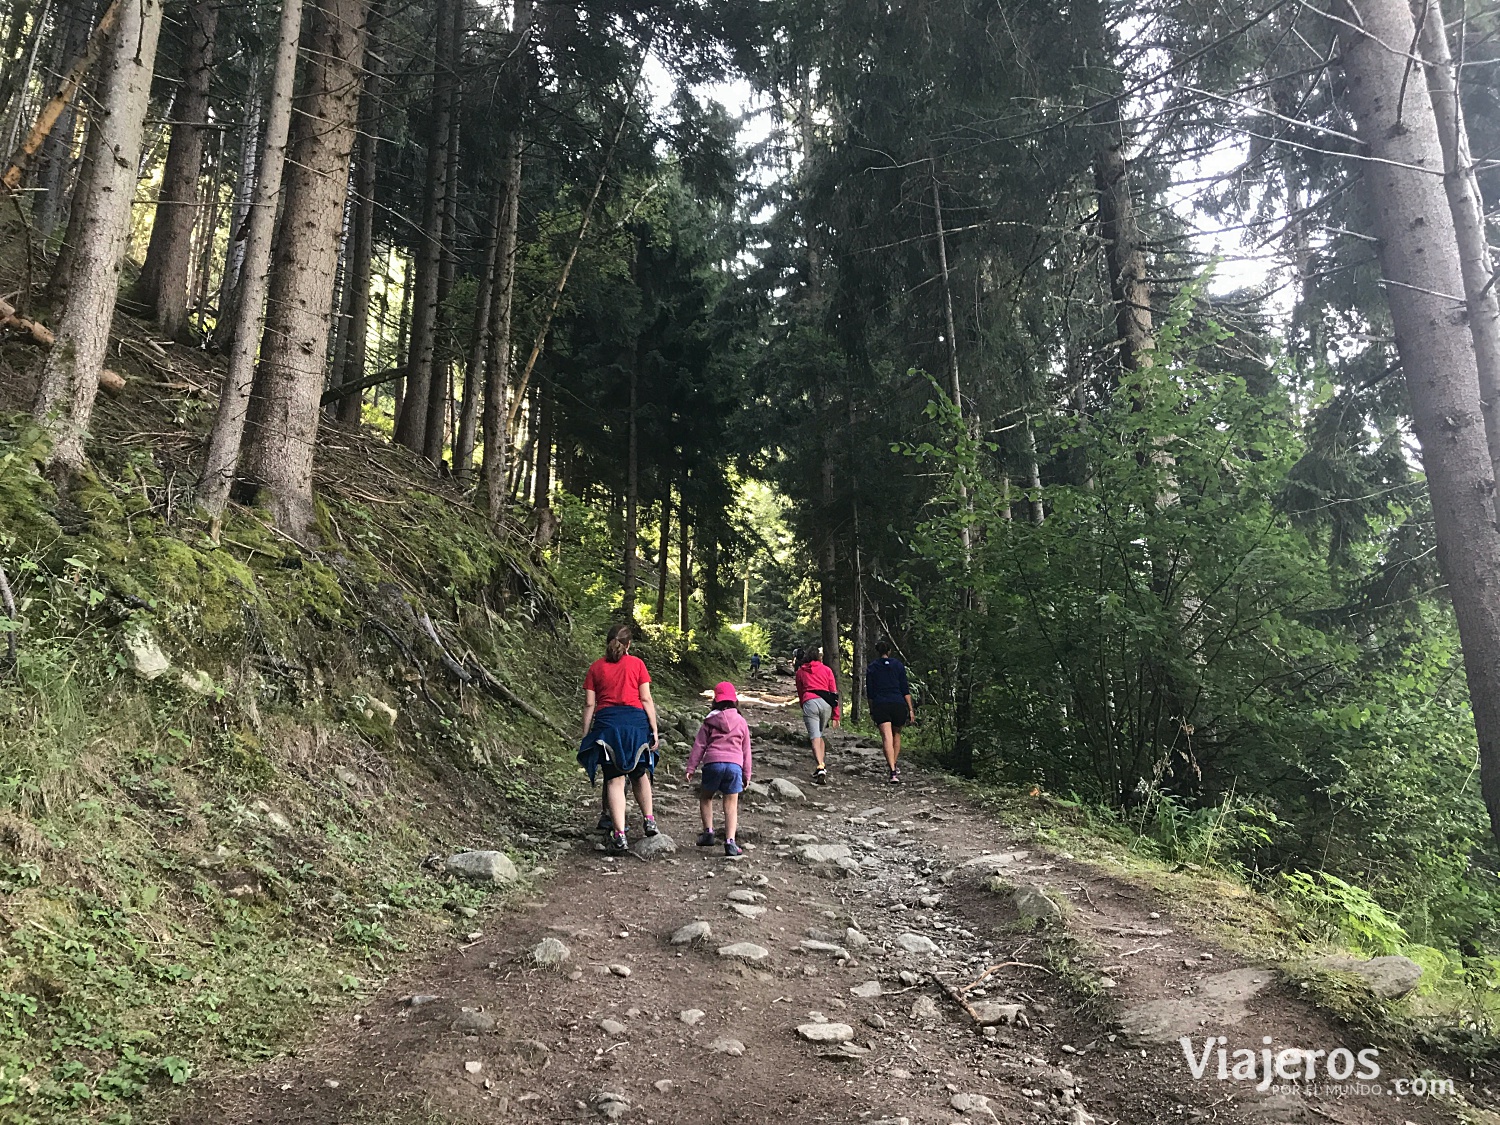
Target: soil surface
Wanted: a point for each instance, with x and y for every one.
(632, 1027)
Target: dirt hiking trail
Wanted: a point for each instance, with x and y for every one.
(856, 909)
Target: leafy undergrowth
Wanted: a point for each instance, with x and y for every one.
(227, 768)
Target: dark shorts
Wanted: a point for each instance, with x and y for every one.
(894, 713)
(722, 777)
(612, 769)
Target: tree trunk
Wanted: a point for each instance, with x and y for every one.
(411, 429)
(632, 495)
(70, 377)
(440, 396)
(479, 343)
(545, 435)
(713, 589)
(223, 451)
(857, 623)
(1420, 261)
(1123, 251)
(62, 266)
(239, 215)
(663, 555)
(828, 578)
(56, 153)
(162, 288)
(684, 570)
(209, 233)
(362, 241)
(1034, 477)
(279, 457)
(1467, 208)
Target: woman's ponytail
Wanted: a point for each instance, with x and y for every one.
(616, 642)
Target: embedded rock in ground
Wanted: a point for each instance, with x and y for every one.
(990, 1013)
(378, 708)
(855, 938)
(867, 991)
(757, 789)
(916, 943)
(992, 863)
(1033, 905)
(147, 660)
(746, 896)
(746, 911)
(483, 867)
(550, 951)
(820, 855)
(1220, 1001)
(692, 1016)
(811, 945)
(474, 1023)
(973, 1105)
(693, 931)
(1389, 978)
(611, 1105)
(613, 1028)
(925, 1008)
(727, 1047)
(826, 1032)
(654, 847)
(744, 951)
(784, 790)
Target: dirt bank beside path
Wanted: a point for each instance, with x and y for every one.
(854, 906)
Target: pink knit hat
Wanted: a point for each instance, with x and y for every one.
(724, 693)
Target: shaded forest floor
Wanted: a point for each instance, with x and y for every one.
(477, 1032)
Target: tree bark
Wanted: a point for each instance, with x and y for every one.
(223, 453)
(56, 153)
(362, 238)
(684, 570)
(479, 343)
(1467, 208)
(545, 436)
(497, 413)
(440, 395)
(239, 215)
(1424, 280)
(162, 288)
(632, 494)
(411, 428)
(664, 555)
(70, 377)
(1124, 253)
(279, 458)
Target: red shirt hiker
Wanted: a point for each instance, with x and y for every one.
(617, 684)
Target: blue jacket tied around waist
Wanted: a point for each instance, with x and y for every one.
(620, 735)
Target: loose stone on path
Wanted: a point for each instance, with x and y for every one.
(550, 951)
(744, 951)
(692, 1016)
(826, 1032)
(693, 931)
(727, 1047)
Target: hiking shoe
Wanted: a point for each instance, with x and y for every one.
(705, 839)
(606, 823)
(618, 842)
(731, 848)
(820, 776)
(895, 777)
(651, 829)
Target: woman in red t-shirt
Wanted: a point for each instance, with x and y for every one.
(620, 731)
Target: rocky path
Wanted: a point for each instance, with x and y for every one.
(859, 964)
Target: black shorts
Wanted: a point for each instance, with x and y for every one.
(894, 713)
(612, 769)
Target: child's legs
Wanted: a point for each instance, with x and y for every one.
(614, 797)
(706, 810)
(731, 814)
(643, 793)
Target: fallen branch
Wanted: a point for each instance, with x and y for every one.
(344, 390)
(405, 650)
(993, 969)
(40, 334)
(461, 673)
(957, 997)
(59, 101)
(500, 691)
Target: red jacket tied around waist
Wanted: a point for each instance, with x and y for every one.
(723, 737)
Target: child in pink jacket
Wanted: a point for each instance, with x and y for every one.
(723, 747)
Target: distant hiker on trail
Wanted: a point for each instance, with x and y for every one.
(755, 663)
(818, 692)
(890, 702)
(799, 658)
(723, 746)
(620, 731)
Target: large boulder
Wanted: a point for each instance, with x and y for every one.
(654, 847)
(483, 867)
(1389, 978)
